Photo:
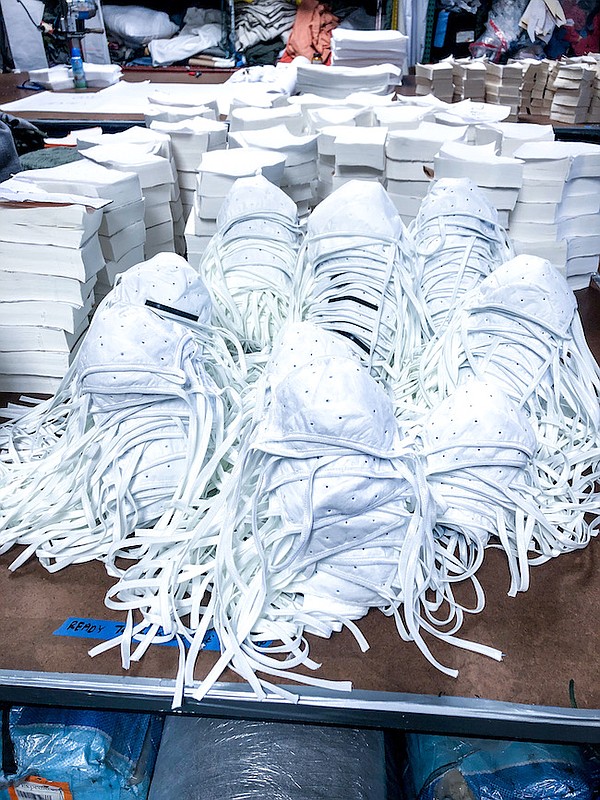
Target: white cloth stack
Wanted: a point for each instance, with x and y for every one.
(503, 86)
(157, 181)
(217, 172)
(409, 163)
(190, 138)
(358, 48)
(558, 213)
(299, 179)
(435, 79)
(122, 232)
(50, 257)
(499, 177)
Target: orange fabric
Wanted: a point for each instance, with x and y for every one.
(311, 32)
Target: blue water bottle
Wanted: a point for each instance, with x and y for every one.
(77, 67)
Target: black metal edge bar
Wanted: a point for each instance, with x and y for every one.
(428, 714)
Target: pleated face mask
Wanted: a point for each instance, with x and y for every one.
(251, 261)
(357, 276)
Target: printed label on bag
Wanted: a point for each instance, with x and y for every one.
(35, 788)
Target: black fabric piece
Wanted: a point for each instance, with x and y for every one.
(9, 763)
(9, 160)
(26, 136)
(264, 53)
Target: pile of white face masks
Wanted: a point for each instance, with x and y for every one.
(357, 276)
(419, 398)
(250, 263)
(136, 420)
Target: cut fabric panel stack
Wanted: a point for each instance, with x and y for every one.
(499, 177)
(469, 78)
(159, 144)
(503, 87)
(358, 154)
(251, 118)
(190, 139)
(50, 257)
(558, 213)
(357, 48)
(157, 180)
(300, 172)
(163, 112)
(535, 78)
(122, 232)
(509, 136)
(435, 79)
(573, 91)
(409, 163)
(339, 82)
(217, 172)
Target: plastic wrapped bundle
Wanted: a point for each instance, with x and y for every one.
(357, 277)
(250, 263)
(134, 422)
(241, 760)
(487, 769)
(90, 755)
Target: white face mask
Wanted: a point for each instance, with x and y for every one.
(251, 261)
(458, 241)
(136, 414)
(479, 448)
(356, 276)
(167, 284)
(520, 331)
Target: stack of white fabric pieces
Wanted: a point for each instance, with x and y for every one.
(499, 177)
(60, 77)
(358, 153)
(357, 48)
(300, 173)
(558, 213)
(509, 136)
(358, 108)
(409, 163)
(50, 257)
(156, 178)
(339, 82)
(469, 79)
(435, 79)
(398, 116)
(593, 117)
(190, 138)
(535, 75)
(163, 112)
(217, 172)
(573, 91)
(159, 144)
(325, 116)
(124, 213)
(250, 118)
(543, 92)
(503, 86)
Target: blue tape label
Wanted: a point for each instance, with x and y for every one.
(104, 629)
